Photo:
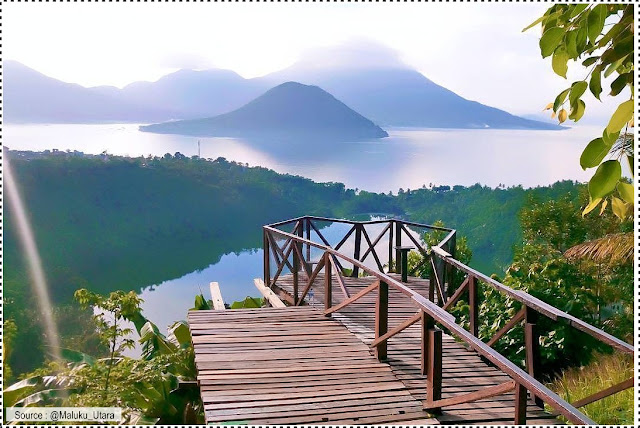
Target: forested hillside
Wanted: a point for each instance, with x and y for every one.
(107, 223)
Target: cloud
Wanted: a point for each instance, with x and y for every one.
(353, 53)
(186, 60)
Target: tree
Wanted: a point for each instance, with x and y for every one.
(602, 34)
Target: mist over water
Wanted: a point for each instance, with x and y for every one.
(408, 158)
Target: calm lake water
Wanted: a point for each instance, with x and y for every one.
(408, 158)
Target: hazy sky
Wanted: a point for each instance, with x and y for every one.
(476, 50)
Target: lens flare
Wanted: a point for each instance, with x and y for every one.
(36, 271)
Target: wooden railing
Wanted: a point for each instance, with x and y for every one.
(431, 310)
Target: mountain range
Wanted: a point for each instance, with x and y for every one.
(391, 96)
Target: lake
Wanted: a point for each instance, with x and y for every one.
(408, 158)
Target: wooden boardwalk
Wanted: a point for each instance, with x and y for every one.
(293, 365)
(463, 370)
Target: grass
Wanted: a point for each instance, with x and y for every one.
(604, 371)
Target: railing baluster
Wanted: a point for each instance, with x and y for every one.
(473, 305)
(432, 282)
(450, 269)
(327, 282)
(382, 319)
(296, 265)
(308, 236)
(266, 258)
(398, 244)
(356, 250)
(520, 417)
(532, 346)
(390, 245)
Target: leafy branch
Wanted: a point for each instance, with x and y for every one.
(603, 33)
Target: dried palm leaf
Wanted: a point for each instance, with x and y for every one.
(613, 249)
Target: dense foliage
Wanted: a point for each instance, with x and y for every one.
(599, 294)
(150, 390)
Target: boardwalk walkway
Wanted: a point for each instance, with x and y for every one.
(293, 366)
(463, 370)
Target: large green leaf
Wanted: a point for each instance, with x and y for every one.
(562, 96)
(605, 179)
(559, 62)
(153, 342)
(595, 83)
(48, 397)
(626, 191)
(77, 357)
(594, 153)
(571, 42)
(595, 21)
(534, 23)
(619, 84)
(12, 393)
(592, 205)
(577, 89)
(550, 40)
(619, 207)
(577, 111)
(623, 114)
(249, 302)
(179, 334)
(201, 303)
(614, 66)
(609, 138)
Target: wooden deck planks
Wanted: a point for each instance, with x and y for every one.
(292, 366)
(463, 370)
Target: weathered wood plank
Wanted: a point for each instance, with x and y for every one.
(216, 296)
(268, 294)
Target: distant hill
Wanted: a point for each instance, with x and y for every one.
(191, 93)
(30, 96)
(399, 96)
(289, 109)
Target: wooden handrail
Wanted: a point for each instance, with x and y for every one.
(537, 304)
(521, 378)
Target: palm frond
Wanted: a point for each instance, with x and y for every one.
(613, 249)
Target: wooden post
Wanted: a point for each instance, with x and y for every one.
(473, 305)
(398, 244)
(266, 258)
(432, 280)
(382, 318)
(520, 405)
(296, 269)
(390, 246)
(450, 269)
(308, 236)
(431, 362)
(356, 250)
(327, 282)
(532, 346)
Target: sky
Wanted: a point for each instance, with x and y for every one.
(476, 50)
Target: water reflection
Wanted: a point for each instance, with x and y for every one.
(409, 158)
